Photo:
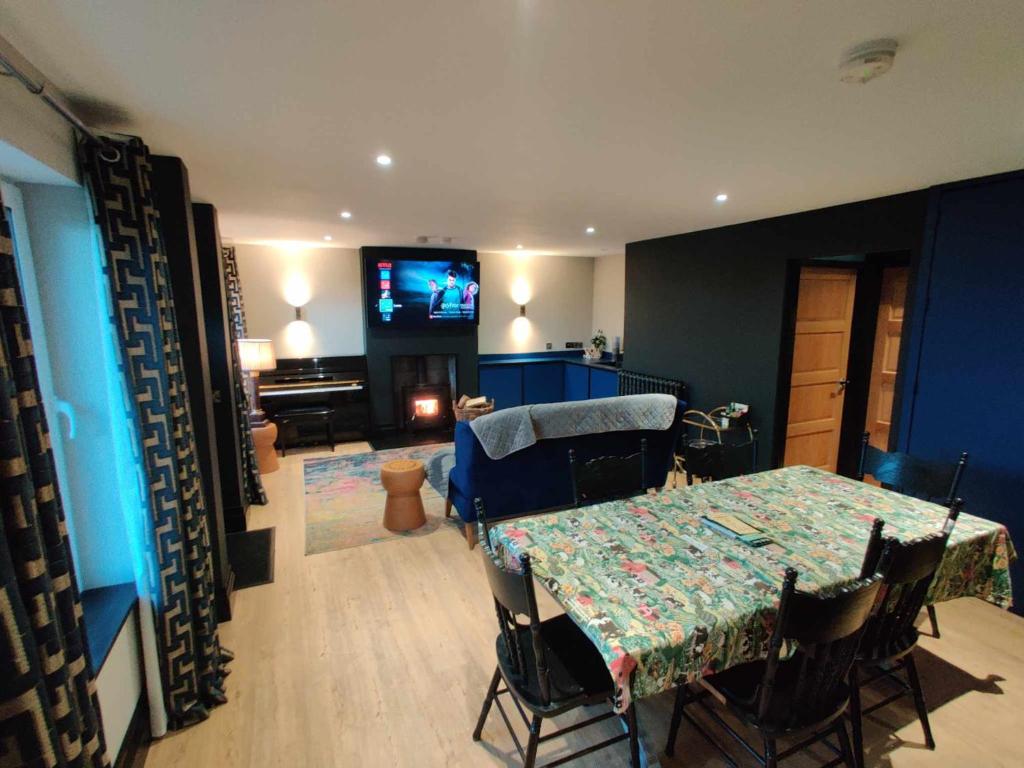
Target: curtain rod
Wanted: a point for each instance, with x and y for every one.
(36, 83)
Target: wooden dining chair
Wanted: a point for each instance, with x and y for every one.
(608, 477)
(887, 646)
(803, 696)
(928, 480)
(547, 667)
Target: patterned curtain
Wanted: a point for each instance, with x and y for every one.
(49, 713)
(190, 657)
(236, 325)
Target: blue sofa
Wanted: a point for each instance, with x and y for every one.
(538, 477)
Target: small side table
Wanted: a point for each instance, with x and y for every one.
(402, 479)
(266, 456)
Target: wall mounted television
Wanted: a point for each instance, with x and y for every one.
(421, 293)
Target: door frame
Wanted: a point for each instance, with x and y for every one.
(862, 341)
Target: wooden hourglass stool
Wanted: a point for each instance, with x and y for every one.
(403, 510)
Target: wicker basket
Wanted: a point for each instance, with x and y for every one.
(468, 414)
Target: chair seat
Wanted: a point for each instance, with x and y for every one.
(895, 649)
(576, 672)
(740, 685)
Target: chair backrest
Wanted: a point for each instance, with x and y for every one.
(608, 477)
(709, 460)
(909, 569)
(900, 472)
(828, 629)
(514, 595)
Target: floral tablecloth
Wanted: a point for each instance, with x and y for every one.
(667, 599)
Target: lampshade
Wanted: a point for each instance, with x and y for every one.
(256, 355)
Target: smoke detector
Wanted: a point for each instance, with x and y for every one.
(867, 61)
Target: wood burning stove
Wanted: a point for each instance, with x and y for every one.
(423, 387)
(427, 406)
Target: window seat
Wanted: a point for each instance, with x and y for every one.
(106, 609)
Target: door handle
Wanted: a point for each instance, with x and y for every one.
(843, 383)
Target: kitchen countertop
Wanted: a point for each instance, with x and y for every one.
(604, 366)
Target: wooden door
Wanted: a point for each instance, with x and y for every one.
(885, 360)
(824, 313)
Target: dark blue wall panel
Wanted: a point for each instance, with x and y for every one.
(543, 382)
(966, 355)
(577, 382)
(502, 383)
(603, 383)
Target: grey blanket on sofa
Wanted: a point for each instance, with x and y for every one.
(513, 429)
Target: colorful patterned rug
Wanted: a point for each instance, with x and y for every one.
(345, 501)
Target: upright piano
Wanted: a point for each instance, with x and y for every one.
(338, 382)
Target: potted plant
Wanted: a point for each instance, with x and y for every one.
(597, 346)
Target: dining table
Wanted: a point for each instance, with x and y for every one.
(668, 599)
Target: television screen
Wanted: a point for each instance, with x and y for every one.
(409, 293)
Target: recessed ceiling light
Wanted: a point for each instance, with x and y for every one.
(519, 246)
(590, 230)
(721, 197)
(328, 237)
(384, 160)
(346, 214)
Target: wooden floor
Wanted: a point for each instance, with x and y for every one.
(381, 655)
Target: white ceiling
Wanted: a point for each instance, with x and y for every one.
(524, 121)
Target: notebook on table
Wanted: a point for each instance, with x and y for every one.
(736, 527)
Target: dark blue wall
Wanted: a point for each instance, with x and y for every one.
(965, 361)
(715, 308)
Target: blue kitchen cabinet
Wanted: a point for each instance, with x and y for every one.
(603, 383)
(577, 382)
(543, 382)
(503, 384)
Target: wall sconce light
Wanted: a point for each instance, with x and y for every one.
(297, 290)
(522, 310)
(298, 313)
(520, 291)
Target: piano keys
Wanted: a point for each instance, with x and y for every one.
(336, 382)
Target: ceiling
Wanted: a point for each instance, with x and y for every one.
(526, 121)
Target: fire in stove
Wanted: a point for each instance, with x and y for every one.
(426, 407)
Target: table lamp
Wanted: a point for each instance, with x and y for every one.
(256, 355)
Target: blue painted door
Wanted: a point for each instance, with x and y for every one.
(502, 383)
(577, 382)
(543, 382)
(603, 383)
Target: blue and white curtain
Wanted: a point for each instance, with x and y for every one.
(236, 325)
(49, 711)
(188, 653)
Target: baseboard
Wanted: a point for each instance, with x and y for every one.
(136, 738)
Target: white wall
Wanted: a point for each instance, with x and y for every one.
(330, 277)
(610, 297)
(559, 309)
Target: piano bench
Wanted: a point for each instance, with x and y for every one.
(308, 415)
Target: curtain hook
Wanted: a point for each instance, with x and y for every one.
(110, 154)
